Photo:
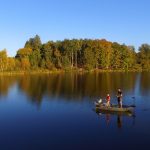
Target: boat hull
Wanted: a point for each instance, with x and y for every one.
(113, 108)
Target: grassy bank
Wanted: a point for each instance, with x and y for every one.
(30, 72)
(41, 71)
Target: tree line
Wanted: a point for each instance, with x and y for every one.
(76, 53)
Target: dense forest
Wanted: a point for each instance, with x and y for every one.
(83, 54)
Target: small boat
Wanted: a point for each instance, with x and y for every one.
(113, 108)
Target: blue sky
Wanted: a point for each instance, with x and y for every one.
(123, 21)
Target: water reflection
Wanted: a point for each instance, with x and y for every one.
(6, 83)
(76, 86)
(116, 118)
(65, 114)
(144, 83)
(119, 121)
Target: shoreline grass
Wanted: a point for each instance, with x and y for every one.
(41, 71)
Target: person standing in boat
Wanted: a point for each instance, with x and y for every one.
(119, 97)
(108, 100)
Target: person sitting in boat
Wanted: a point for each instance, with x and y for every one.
(100, 101)
(119, 98)
(108, 100)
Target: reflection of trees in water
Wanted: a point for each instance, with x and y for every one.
(144, 84)
(74, 85)
(70, 86)
(6, 82)
(110, 82)
(34, 86)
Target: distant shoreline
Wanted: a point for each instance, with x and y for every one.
(66, 71)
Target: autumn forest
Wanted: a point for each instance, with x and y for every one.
(83, 54)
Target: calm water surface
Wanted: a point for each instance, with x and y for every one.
(57, 112)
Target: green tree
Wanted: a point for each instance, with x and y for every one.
(57, 56)
(144, 56)
(116, 56)
(105, 53)
(35, 44)
(89, 58)
(68, 48)
(47, 51)
(76, 47)
(35, 59)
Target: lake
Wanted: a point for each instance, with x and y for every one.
(57, 111)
